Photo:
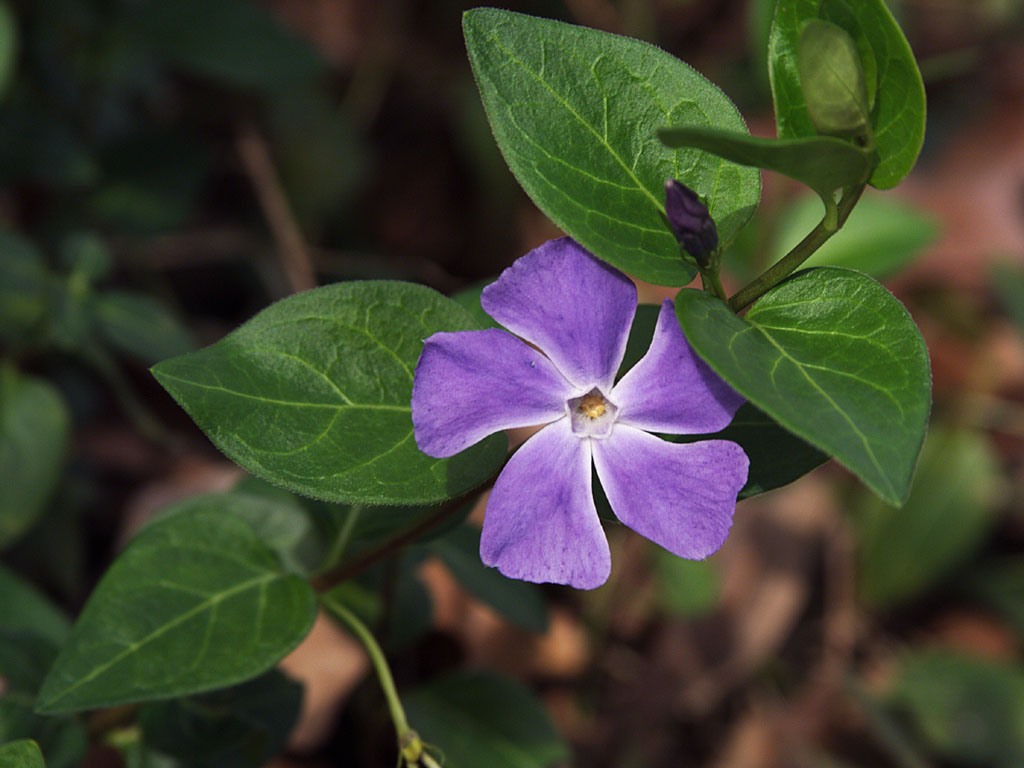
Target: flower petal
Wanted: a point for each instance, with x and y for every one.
(671, 389)
(573, 307)
(681, 496)
(471, 384)
(541, 523)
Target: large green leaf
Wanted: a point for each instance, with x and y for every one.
(575, 112)
(946, 517)
(834, 358)
(34, 433)
(479, 719)
(894, 88)
(518, 601)
(823, 163)
(880, 237)
(21, 754)
(196, 602)
(313, 394)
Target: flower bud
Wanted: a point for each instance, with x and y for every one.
(690, 221)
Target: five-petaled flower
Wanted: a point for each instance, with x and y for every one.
(541, 523)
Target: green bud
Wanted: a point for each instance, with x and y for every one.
(832, 80)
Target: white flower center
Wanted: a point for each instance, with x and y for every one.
(592, 414)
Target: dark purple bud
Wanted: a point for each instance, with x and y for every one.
(689, 218)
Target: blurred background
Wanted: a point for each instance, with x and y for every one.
(170, 167)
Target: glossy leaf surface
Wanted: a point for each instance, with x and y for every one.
(893, 82)
(835, 359)
(198, 603)
(575, 112)
(313, 395)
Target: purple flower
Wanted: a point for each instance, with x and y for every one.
(541, 523)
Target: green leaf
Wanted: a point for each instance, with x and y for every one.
(62, 740)
(235, 42)
(24, 660)
(469, 299)
(575, 112)
(880, 237)
(832, 79)
(893, 83)
(1007, 281)
(194, 603)
(835, 359)
(241, 727)
(281, 523)
(518, 601)
(313, 395)
(686, 587)
(479, 719)
(21, 754)
(968, 710)
(27, 610)
(777, 457)
(821, 162)
(8, 45)
(25, 283)
(34, 433)
(141, 326)
(87, 255)
(905, 551)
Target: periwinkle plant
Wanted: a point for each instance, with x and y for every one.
(384, 397)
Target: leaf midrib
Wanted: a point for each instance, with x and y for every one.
(211, 602)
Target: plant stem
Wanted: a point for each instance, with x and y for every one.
(709, 280)
(800, 253)
(409, 743)
(340, 543)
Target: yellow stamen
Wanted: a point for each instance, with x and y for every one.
(592, 405)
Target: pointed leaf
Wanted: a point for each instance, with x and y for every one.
(834, 358)
(194, 603)
(893, 82)
(575, 112)
(313, 395)
(821, 162)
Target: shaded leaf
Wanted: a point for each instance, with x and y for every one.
(965, 708)
(945, 519)
(686, 587)
(62, 740)
(141, 326)
(835, 359)
(479, 719)
(880, 237)
(34, 433)
(575, 111)
(26, 609)
(25, 283)
(235, 42)
(1008, 283)
(313, 394)
(520, 602)
(8, 45)
(241, 727)
(194, 603)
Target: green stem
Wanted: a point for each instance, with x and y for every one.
(776, 273)
(409, 743)
(340, 544)
(709, 279)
